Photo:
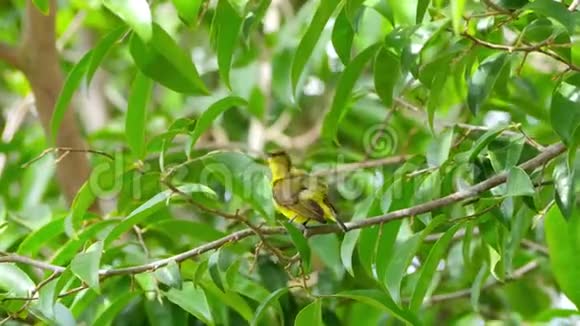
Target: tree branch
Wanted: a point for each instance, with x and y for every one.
(538, 161)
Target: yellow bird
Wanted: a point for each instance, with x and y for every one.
(297, 195)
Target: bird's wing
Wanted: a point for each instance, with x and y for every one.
(294, 193)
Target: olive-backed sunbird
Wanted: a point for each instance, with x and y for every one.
(299, 196)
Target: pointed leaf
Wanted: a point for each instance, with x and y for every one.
(311, 315)
(430, 265)
(72, 82)
(135, 13)
(165, 62)
(192, 300)
(344, 88)
(564, 186)
(310, 38)
(101, 49)
(300, 243)
(225, 29)
(483, 80)
(212, 112)
(86, 264)
(387, 72)
(382, 301)
(563, 247)
(342, 36)
(519, 183)
(136, 114)
(273, 297)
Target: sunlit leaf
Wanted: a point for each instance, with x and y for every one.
(342, 36)
(310, 315)
(310, 38)
(300, 243)
(135, 13)
(225, 29)
(187, 10)
(192, 300)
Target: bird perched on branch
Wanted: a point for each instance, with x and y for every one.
(299, 196)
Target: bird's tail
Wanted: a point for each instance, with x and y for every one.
(341, 225)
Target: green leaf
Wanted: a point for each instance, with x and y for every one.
(563, 246)
(135, 13)
(482, 82)
(79, 207)
(311, 315)
(405, 252)
(101, 49)
(437, 252)
(114, 308)
(483, 141)
(169, 275)
(300, 243)
(387, 72)
(43, 6)
(14, 283)
(212, 112)
(149, 207)
(326, 247)
(457, 11)
(310, 38)
(554, 10)
(477, 285)
(86, 264)
(72, 82)
(422, 6)
(229, 299)
(41, 237)
(187, 10)
(382, 301)
(192, 300)
(564, 185)
(350, 238)
(565, 110)
(68, 250)
(438, 150)
(344, 88)
(342, 36)
(214, 271)
(519, 183)
(261, 310)
(225, 31)
(165, 62)
(136, 114)
(436, 94)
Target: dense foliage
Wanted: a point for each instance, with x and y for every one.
(446, 130)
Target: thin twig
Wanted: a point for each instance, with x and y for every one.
(65, 151)
(517, 274)
(573, 5)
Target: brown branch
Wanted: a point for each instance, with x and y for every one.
(10, 55)
(574, 5)
(527, 49)
(13, 258)
(65, 151)
(538, 161)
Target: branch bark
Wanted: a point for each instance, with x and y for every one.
(40, 63)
